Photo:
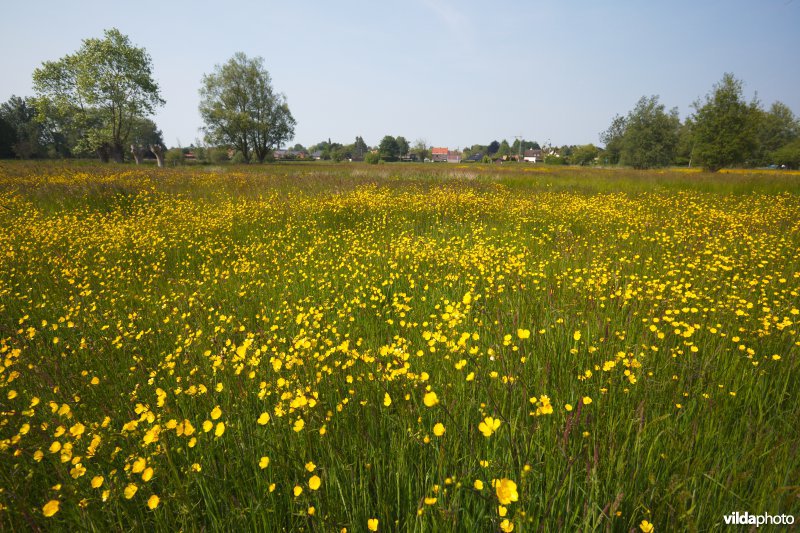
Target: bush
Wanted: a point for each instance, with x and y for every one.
(554, 160)
(788, 155)
(238, 158)
(218, 155)
(174, 157)
(373, 158)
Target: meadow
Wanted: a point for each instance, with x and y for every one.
(313, 347)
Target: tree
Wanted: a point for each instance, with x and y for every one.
(493, 147)
(402, 146)
(788, 155)
(98, 92)
(421, 150)
(389, 149)
(23, 138)
(360, 147)
(724, 126)
(776, 128)
(651, 135)
(144, 135)
(241, 109)
(584, 155)
(612, 139)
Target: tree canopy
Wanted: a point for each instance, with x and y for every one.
(725, 126)
(98, 92)
(240, 108)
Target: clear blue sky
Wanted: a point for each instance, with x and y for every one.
(451, 72)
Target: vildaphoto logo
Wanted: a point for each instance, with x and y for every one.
(747, 519)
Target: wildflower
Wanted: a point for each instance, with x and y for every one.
(220, 429)
(523, 333)
(314, 482)
(97, 482)
(298, 490)
(130, 491)
(299, 425)
(216, 412)
(506, 490)
(263, 419)
(478, 485)
(438, 429)
(51, 508)
(488, 426)
(372, 524)
(263, 463)
(147, 475)
(153, 501)
(646, 526)
(506, 526)
(430, 399)
(387, 400)
(576, 335)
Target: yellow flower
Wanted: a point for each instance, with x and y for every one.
(314, 482)
(97, 482)
(147, 474)
(207, 425)
(299, 425)
(489, 425)
(502, 510)
(568, 407)
(220, 429)
(310, 466)
(646, 526)
(264, 462)
(576, 335)
(438, 429)
(216, 412)
(506, 490)
(298, 490)
(387, 400)
(263, 419)
(139, 465)
(311, 511)
(153, 501)
(51, 508)
(372, 524)
(430, 399)
(478, 485)
(523, 333)
(130, 491)
(506, 526)
(587, 400)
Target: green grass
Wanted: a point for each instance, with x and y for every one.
(312, 291)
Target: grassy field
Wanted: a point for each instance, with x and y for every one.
(396, 348)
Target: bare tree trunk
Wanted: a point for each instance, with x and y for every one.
(158, 151)
(138, 153)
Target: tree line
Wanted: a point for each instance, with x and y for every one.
(724, 130)
(98, 100)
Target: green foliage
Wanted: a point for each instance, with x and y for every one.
(553, 159)
(584, 155)
(402, 146)
(788, 155)
(218, 155)
(725, 127)
(174, 157)
(776, 128)
(612, 139)
(373, 158)
(389, 149)
(97, 92)
(240, 108)
(651, 135)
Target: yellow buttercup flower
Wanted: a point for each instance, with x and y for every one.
(489, 425)
(430, 399)
(506, 490)
(51, 508)
(438, 429)
(372, 524)
(314, 482)
(153, 501)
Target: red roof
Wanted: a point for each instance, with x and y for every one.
(439, 151)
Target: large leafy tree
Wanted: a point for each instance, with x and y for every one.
(612, 139)
(651, 135)
(98, 92)
(241, 109)
(776, 128)
(725, 126)
(389, 149)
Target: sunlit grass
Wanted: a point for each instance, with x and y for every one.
(421, 347)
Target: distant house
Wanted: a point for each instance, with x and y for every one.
(317, 155)
(439, 154)
(289, 154)
(453, 156)
(533, 156)
(475, 158)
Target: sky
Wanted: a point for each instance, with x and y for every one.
(451, 73)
